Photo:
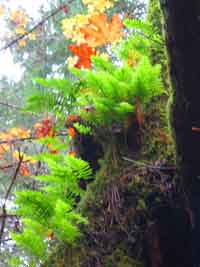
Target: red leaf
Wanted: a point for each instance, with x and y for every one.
(84, 52)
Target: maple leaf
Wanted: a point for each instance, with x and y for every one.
(24, 170)
(19, 133)
(84, 53)
(19, 18)
(101, 32)
(20, 30)
(45, 128)
(14, 133)
(71, 27)
(22, 43)
(97, 5)
(32, 36)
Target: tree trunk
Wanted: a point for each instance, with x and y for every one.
(182, 18)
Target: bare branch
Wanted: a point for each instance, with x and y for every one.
(27, 139)
(10, 105)
(13, 42)
(4, 211)
(152, 167)
(12, 165)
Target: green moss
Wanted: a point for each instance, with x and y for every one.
(120, 259)
(158, 54)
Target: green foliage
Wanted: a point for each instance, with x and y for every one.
(106, 94)
(158, 53)
(56, 96)
(146, 29)
(112, 91)
(146, 36)
(154, 15)
(82, 129)
(51, 209)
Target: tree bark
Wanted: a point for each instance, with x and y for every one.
(182, 22)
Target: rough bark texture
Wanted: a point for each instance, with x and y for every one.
(182, 18)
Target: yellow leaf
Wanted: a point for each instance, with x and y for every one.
(2, 10)
(98, 5)
(24, 171)
(71, 27)
(19, 133)
(26, 157)
(105, 56)
(20, 30)
(32, 36)
(4, 148)
(71, 61)
(22, 43)
(19, 18)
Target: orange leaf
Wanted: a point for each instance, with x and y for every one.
(19, 18)
(50, 235)
(71, 132)
(52, 150)
(72, 118)
(73, 153)
(4, 148)
(84, 53)
(101, 32)
(24, 170)
(45, 128)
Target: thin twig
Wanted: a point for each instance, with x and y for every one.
(27, 139)
(4, 211)
(34, 28)
(9, 105)
(12, 165)
(142, 164)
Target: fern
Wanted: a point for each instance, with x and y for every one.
(82, 129)
(113, 93)
(51, 208)
(144, 28)
(53, 95)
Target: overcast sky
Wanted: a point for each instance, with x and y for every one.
(7, 67)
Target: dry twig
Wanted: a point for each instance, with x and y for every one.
(4, 211)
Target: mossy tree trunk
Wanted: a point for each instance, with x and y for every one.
(182, 19)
